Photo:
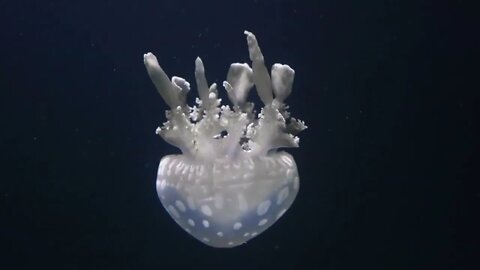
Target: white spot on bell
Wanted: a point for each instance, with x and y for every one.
(237, 226)
(206, 210)
(180, 205)
(262, 222)
(282, 195)
(206, 224)
(263, 208)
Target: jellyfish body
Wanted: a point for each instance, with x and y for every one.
(230, 183)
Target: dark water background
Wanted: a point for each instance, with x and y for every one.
(387, 164)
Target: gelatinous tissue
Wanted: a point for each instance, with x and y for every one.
(231, 182)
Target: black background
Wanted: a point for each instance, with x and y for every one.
(387, 164)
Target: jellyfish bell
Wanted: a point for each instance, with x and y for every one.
(231, 182)
(237, 199)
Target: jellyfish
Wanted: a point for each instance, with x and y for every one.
(231, 181)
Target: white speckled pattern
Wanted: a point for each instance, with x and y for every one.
(266, 196)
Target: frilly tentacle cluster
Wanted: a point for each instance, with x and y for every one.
(212, 130)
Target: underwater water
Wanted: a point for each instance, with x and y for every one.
(383, 177)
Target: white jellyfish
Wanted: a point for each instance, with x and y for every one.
(230, 183)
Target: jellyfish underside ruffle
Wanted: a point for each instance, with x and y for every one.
(230, 183)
